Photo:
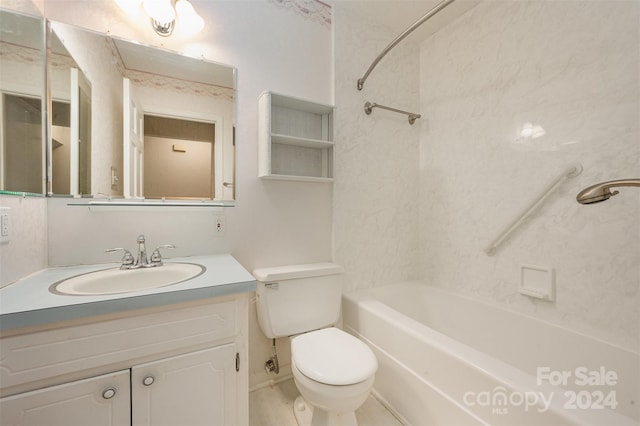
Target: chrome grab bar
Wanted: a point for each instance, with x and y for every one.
(369, 106)
(571, 171)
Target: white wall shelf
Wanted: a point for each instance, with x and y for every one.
(295, 139)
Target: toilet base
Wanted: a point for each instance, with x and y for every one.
(308, 415)
(303, 411)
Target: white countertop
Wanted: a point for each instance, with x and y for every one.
(29, 302)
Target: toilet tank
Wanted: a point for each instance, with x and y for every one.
(295, 299)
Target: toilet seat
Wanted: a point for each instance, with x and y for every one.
(333, 357)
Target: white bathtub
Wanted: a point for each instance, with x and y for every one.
(449, 360)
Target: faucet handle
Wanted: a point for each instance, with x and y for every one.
(127, 259)
(156, 257)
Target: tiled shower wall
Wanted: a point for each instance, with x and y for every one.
(376, 156)
(573, 69)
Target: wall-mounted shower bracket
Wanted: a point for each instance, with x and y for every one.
(369, 106)
(602, 191)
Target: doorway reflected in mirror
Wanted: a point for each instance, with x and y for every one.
(178, 160)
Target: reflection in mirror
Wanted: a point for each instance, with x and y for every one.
(199, 96)
(70, 155)
(178, 158)
(22, 90)
(131, 82)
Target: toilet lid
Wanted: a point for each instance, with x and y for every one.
(333, 357)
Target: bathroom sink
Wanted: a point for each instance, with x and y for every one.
(116, 280)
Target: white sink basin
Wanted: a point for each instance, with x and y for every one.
(116, 280)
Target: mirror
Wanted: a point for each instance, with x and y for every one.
(161, 124)
(22, 91)
(69, 158)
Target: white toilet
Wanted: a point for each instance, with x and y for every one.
(333, 370)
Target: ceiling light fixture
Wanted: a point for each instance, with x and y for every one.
(166, 14)
(162, 14)
(189, 18)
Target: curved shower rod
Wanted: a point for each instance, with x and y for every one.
(423, 19)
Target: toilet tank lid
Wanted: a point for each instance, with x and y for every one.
(291, 272)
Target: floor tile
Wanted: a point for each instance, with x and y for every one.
(273, 406)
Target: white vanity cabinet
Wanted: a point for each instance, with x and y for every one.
(198, 388)
(172, 365)
(98, 401)
(295, 139)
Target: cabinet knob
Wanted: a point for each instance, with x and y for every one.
(148, 381)
(109, 393)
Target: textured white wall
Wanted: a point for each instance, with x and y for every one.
(30, 7)
(572, 68)
(26, 252)
(376, 156)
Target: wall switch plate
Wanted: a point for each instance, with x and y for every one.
(5, 227)
(114, 178)
(220, 225)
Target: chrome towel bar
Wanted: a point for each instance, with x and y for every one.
(369, 106)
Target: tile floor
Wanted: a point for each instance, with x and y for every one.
(273, 406)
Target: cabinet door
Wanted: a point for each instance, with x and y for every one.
(198, 388)
(102, 400)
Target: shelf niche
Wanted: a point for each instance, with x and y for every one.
(295, 139)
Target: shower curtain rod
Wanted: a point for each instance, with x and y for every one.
(423, 19)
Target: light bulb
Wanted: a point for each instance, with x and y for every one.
(160, 10)
(131, 7)
(188, 17)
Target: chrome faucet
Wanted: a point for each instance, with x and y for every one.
(127, 260)
(156, 257)
(142, 261)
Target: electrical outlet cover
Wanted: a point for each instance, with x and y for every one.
(220, 225)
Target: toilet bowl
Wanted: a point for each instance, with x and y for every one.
(333, 370)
